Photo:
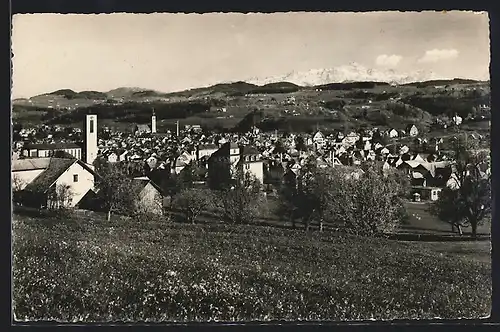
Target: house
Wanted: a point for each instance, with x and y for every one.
(39, 179)
(205, 150)
(179, 165)
(152, 162)
(112, 157)
(412, 130)
(393, 133)
(48, 150)
(141, 129)
(228, 159)
(427, 193)
(194, 128)
(123, 156)
(149, 195)
(457, 120)
(404, 149)
(384, 151)
(251, 162)
(318, 139)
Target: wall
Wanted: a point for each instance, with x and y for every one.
(151, 199)
(43, 153)
(80, 188)
(205, 152)
(25, 177)
(90, 139)
(153, 124)
(256, 168)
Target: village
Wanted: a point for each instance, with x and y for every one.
(298, 167)
(269, 156)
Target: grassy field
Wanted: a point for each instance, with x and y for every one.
(421, 221)
(93, 270)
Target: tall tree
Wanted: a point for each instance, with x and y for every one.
(241, 203)
(467, 201)
(115, 190)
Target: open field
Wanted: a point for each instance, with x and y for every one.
(421, 221)
(96, 270)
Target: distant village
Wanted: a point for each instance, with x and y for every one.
(40, 162)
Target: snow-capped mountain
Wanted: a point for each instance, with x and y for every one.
(347, 73)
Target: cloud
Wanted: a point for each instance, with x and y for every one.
(436, 55)
(388, 60)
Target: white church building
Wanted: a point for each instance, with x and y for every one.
(35, 180)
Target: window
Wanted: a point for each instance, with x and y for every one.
(75, 177)
(91, 125)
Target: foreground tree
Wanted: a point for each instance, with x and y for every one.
(376, 203)
(364, 204)
(240, 203)
(307, 196)
(314, 197)
(467, 200)
(115, 190)
(60, 197)
(192, 202)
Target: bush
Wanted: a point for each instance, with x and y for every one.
(143, 216)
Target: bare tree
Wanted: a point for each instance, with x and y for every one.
(60, 197)
(17, 183)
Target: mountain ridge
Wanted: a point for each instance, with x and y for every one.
(247, 86)
(353, 72)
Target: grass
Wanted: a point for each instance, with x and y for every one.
(93, 270)
(421, 221)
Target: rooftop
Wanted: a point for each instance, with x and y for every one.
(53, 146)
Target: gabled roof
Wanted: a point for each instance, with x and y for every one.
(30, 164)
(56, 167)
(141, 183)
(249, 150)
(142, 127)
(207, 147)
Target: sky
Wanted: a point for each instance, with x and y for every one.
(172, 52)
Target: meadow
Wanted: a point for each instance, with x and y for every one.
(88, 269)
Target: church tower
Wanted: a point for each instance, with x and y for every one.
(153, 122)
(90, 127)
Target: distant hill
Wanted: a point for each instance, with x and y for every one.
(443, 82)
(123, 92)
(70, 94)
(350, 85)
(233, 88)
(277, 87)
(241, 105)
